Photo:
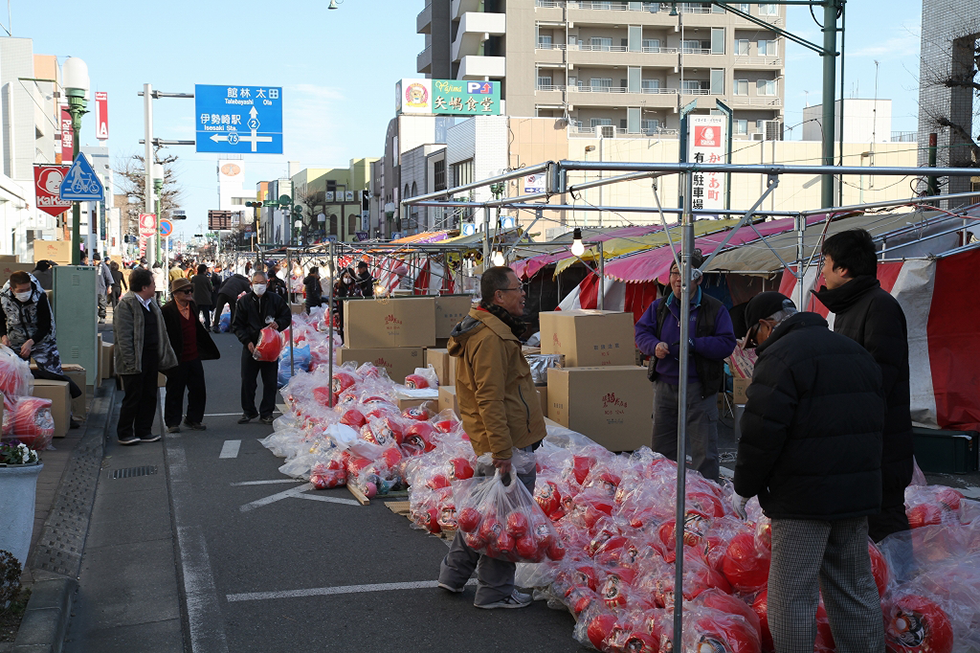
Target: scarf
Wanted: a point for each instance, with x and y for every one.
(516, 324)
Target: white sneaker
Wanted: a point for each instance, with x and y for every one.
(515, 600)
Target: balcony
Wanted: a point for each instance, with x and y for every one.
(460, 7)
(474, 29)
(479, 67)
(767, 101)
(757, 63)
(423, 62)
(423, 22)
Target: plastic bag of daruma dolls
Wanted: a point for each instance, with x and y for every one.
(269, 345)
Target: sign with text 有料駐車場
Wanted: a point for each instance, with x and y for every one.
(447, 97)
(706, 138)
(239, 119)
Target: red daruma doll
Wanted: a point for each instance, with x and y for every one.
(269, 345)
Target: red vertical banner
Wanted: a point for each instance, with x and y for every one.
(67, 137)
(102, 115)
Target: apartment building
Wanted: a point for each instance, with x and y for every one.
(614, 69)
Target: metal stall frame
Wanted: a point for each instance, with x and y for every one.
(557, 177)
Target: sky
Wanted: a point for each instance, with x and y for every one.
(338, 69)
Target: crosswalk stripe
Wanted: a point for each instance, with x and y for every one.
(230, 449)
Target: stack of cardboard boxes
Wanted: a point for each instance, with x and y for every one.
(395, 333)
(599, 392)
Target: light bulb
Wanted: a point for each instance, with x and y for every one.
(498, 258)
(577, 247)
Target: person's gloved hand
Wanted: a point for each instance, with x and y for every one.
(738, 504)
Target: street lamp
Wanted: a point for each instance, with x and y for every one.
(74, 75)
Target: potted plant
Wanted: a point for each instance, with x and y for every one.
(19, 469)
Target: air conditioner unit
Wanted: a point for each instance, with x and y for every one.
(758, 136)
(606, 131)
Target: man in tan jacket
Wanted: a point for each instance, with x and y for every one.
(499, 407)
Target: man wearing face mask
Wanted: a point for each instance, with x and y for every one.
(253, 312)
(28, 329)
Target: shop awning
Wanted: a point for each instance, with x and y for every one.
(424, 237)
(528, 267)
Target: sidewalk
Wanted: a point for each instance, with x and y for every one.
(63, 507)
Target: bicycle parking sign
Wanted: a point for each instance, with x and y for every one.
(81, 184)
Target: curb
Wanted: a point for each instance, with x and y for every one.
(57, 558)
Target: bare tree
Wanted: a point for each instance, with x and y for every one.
(132, 173)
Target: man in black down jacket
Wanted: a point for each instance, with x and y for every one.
(253, 311)
(228, 293)
(811, 450)
(867, 314)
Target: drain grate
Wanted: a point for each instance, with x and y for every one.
(133, 472)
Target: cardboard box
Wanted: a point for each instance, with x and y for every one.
(589, 338)
(58, 251)
(448, 399)
(418, 397)
(399, 362)
(450, 311)
(58, 393)
(543, 396)
(407, 322)
(9, 258)
(8, 268)
(444, 364)
(739, 386)
(611, 405)
(78, 404)
(296, 309)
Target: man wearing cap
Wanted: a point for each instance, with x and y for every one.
(658, 335)
(364, 280)
(810, 449)
(867, 314)
(192, 344)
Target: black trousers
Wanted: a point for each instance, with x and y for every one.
(205, 310)
(187, 376)
(139, 405)
(220, 305)
(251, 369)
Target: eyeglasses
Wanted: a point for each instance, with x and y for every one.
(186, 291)
(521, 288)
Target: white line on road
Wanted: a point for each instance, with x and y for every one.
(333, 591)
(230, 449)
(271, 482)
(278, 496)
(203, 611)
(318, 497)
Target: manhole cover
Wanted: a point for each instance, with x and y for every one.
(133, 472)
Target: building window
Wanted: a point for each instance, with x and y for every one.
(651, 45)
(463, 172)
(544, 81)
(759, 124)
(768, 10)
(650, 126)
(596, 122)
(766, 87)
(743, 7)
(693, 87)
(651, 85)
(767, 48)
(741, 46)
(600, 83)
(600, 43)
(717, 81)
(741, 87)
(740, 126)
(544, 41)
(690, 46)
(439, 175)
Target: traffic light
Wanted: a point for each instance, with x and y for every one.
(298, 212)
(254, 205)
(365, 200)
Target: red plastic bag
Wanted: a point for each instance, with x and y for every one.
(28, 420)
(269, 345)
(15, 374)
(503, 521)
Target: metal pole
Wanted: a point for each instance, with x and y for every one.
(76, 208)
(687, 249)
(602, 279)
(829, 98)
(486, 238)
(800, 256)
(932, 187)
(292, 363)
(333, 267)
(148, 166)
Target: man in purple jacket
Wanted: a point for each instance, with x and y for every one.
(658, 336)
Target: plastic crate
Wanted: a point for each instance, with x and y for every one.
(946, 452)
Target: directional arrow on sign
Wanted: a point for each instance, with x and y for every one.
(232, 138)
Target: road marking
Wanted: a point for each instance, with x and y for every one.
(320, 497)
(203, 610)
(278, 496)
(230, 449)
(334, 591)
(271, 482)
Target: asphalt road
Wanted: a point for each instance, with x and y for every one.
(266, 565)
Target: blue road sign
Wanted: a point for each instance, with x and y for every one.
(81, 184)
(238, 119)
